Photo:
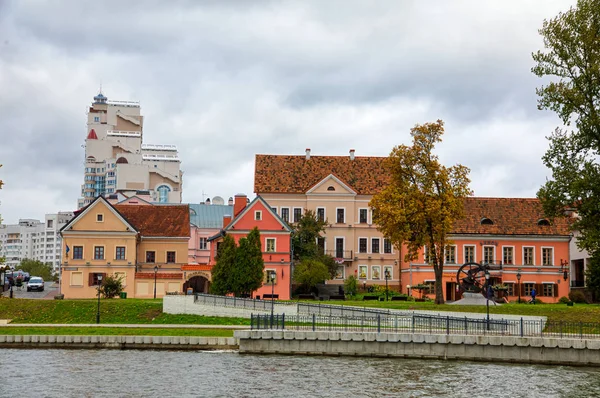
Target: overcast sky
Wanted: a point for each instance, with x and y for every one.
(224, 80)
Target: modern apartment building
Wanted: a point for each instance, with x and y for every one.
(117, 160)
(34, 239)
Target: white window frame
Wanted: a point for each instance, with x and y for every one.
(205, 243)
(552, 257)
(103, 253)
(483, 253)
(391, 246)
(293, 211)
(371, 246)
(367, 245)
(366, 209)
(73, 273)
(267, 245)
(391, 268)
(366, 273)
(513, 255)
(125, 256)
(445, 254)
(373, 268)
(324, 213)
(270, 271)
(474, 253)
(336, 215)
(258, 215)
(101, 216)
(274, 208)
(335, 238)
(523, 255)
(281, 213)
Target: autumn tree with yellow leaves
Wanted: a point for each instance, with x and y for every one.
(424, 198)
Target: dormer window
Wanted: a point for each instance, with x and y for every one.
(486, 221)
(543, 223)
(331, 188)
(100, 217)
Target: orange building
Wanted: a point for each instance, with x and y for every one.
(275, 242)
(139, 244)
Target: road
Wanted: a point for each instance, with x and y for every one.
(50, 290)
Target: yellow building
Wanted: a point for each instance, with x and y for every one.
(135, 243)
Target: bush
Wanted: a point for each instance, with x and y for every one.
(111, 287)
(563, 300)
(577, 296)
(351, 285)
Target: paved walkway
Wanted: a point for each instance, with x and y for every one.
(119, 325)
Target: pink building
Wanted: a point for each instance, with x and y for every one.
(275, 242)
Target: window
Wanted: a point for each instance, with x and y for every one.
(507, 255)
(488, 254)
(77, 252)
(376, 272)
(450, 254)
(100, 217)
(547, 256)
(430, 287)
(321, 214)
(374, 245)
(548, 289)
(270, 276)
(98, 252)
(76, 278)
(321, 245)
(258, 215)
(285, 214)
(270, 244)
(340, 215)
(203, 244)
(50, 223)
(362, 216)
(163, 193)
(95, 278)
(339, 247)
(387, 246)
(362, 272)
(120, 254)
(362, 245)
(528, 288)
(331, 188)
(528, 256)
(469, 252)
(150, 257)
(96, 119)
(170, 257)
(511, 289)
(297, 214)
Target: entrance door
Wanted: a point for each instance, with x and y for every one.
(453, 293)
(339, 247)
(199, 284)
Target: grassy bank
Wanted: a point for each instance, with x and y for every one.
(111, 311)
(92, 331)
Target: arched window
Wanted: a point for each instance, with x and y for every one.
(486, 221)
(122, 160)
(163, 193)
(331, 188)
(543, 222)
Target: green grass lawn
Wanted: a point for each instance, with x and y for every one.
(93, 331)
(134, 311)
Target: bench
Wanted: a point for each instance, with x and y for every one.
(399, 298)
(339, 297)
(306, 297)
(365, 298)
(270, 296)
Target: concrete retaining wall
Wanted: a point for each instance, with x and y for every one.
(119, 342)
(538, 350)
(185, 305)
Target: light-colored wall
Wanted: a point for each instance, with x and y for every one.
(161, 247)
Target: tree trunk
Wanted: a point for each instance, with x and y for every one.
(438, 269)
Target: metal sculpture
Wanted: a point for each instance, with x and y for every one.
(471, 277)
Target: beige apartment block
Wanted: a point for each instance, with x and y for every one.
(338, 189)
(118, 162)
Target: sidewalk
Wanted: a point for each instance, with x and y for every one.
(119, 325)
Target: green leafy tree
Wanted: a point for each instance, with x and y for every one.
(222, 271)
(423, 200)
(36, 268)
(111, 286)
(2, 259)
(248, 272)
(308, 273)
(571, 59)
(304, 240)
(592, 276)
(351, 285)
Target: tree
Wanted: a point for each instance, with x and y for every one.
(423, 199)
(2, 259)
(571, 56)
(36, 268)
(304, 241)
(351, 285)
(222, 271)
(111, 286)
(309, 272)
(248, 272)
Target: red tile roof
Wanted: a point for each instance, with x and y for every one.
(159, 275)
(294, 174)
(164, 221)
(196, 267)
(510, 216)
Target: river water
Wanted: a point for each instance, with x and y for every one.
(132, 373)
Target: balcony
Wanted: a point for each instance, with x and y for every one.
(343, 254)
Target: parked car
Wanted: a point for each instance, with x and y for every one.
(35, 283)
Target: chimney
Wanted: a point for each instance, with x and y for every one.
(351, 154)
(230, 202)
(226, 220)
(239, 203)
(307, 153)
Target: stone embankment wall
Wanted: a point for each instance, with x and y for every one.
(119, 342)
(538, 350)
(185, 305)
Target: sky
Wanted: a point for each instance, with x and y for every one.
(225, 80)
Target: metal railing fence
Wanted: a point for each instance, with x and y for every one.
(237, 302)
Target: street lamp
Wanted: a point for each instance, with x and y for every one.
(387, 276)
(408, 290)
(98, 312)
(487, 294)
(155, 271)
(272, 280)
(519, 283)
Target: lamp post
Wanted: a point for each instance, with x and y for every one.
(387, 276)
(98, 312)
(155, 271)
(519, 283)
(408, 290)
(487, 295)
(272, 280)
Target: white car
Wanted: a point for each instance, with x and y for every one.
(35, 283)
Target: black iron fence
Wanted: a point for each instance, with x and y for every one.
(424, 324)
(236, 302)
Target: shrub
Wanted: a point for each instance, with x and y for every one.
(577, 296)
(563, 300)
(111, 287)
(351, 285)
